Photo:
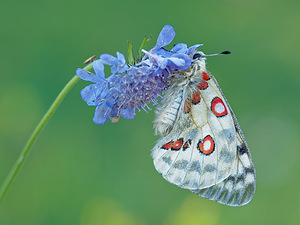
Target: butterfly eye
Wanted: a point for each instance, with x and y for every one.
(196, 55)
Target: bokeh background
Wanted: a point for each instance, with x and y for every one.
(82, 174)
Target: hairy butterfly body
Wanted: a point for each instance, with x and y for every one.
(202, 147)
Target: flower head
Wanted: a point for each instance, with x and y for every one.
(130, 88)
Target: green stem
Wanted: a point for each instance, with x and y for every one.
(20, 161)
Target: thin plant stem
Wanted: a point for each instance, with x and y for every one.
(24, 153)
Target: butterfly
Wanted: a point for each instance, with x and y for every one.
(202, 147)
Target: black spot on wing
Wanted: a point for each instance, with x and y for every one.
(249, 170)
(226, 155)
(167, 160)
(181, 164)
(210, 168)
(229, 134)
(240, 178)
(241, 149)
(195, 167)
(231, 179)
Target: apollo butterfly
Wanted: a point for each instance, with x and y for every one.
(202, 147)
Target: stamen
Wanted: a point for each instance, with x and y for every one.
(148, 107)
(144, 109)
(105, 114)
(154, 102)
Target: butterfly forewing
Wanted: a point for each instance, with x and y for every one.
(220, 127)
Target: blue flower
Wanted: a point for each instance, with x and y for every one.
(118, 63)
(132, 88)
(135, 89)
(94, 93)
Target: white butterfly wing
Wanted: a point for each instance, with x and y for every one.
(199, 147)
(239, 188)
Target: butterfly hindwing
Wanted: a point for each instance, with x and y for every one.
(237, 189)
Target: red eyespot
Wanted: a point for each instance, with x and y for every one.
(207, 145)
(187, 106)
(177, 145)
(196, 97)
(202, 85)
(205, 76)
(218, 107)
(168, 145)
(186, 144)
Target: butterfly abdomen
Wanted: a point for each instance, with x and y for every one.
(167, 113)
(182, 92)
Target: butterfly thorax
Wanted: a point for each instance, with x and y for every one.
(189, 77)
(182, 85)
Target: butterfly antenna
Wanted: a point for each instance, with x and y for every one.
(222, 53)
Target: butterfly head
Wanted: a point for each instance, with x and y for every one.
(198, 55)
(198, 61)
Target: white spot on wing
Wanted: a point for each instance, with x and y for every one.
(206, 145)
(219, 108)
(249, 178)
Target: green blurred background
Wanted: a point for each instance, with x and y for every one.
(81, 173)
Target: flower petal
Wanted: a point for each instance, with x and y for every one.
(108, 59)
(101, 115)
(114, 69)
(128, 113)
(122, 68)
(99, 69)
(88, 76)
(193, 48)
(164, 52)
(121, 57)
(112, 97)
(180, 48)
(178, 64)
(165, 37)
(177, 61)
(93, 93)
(114, 112)
(155, 59)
